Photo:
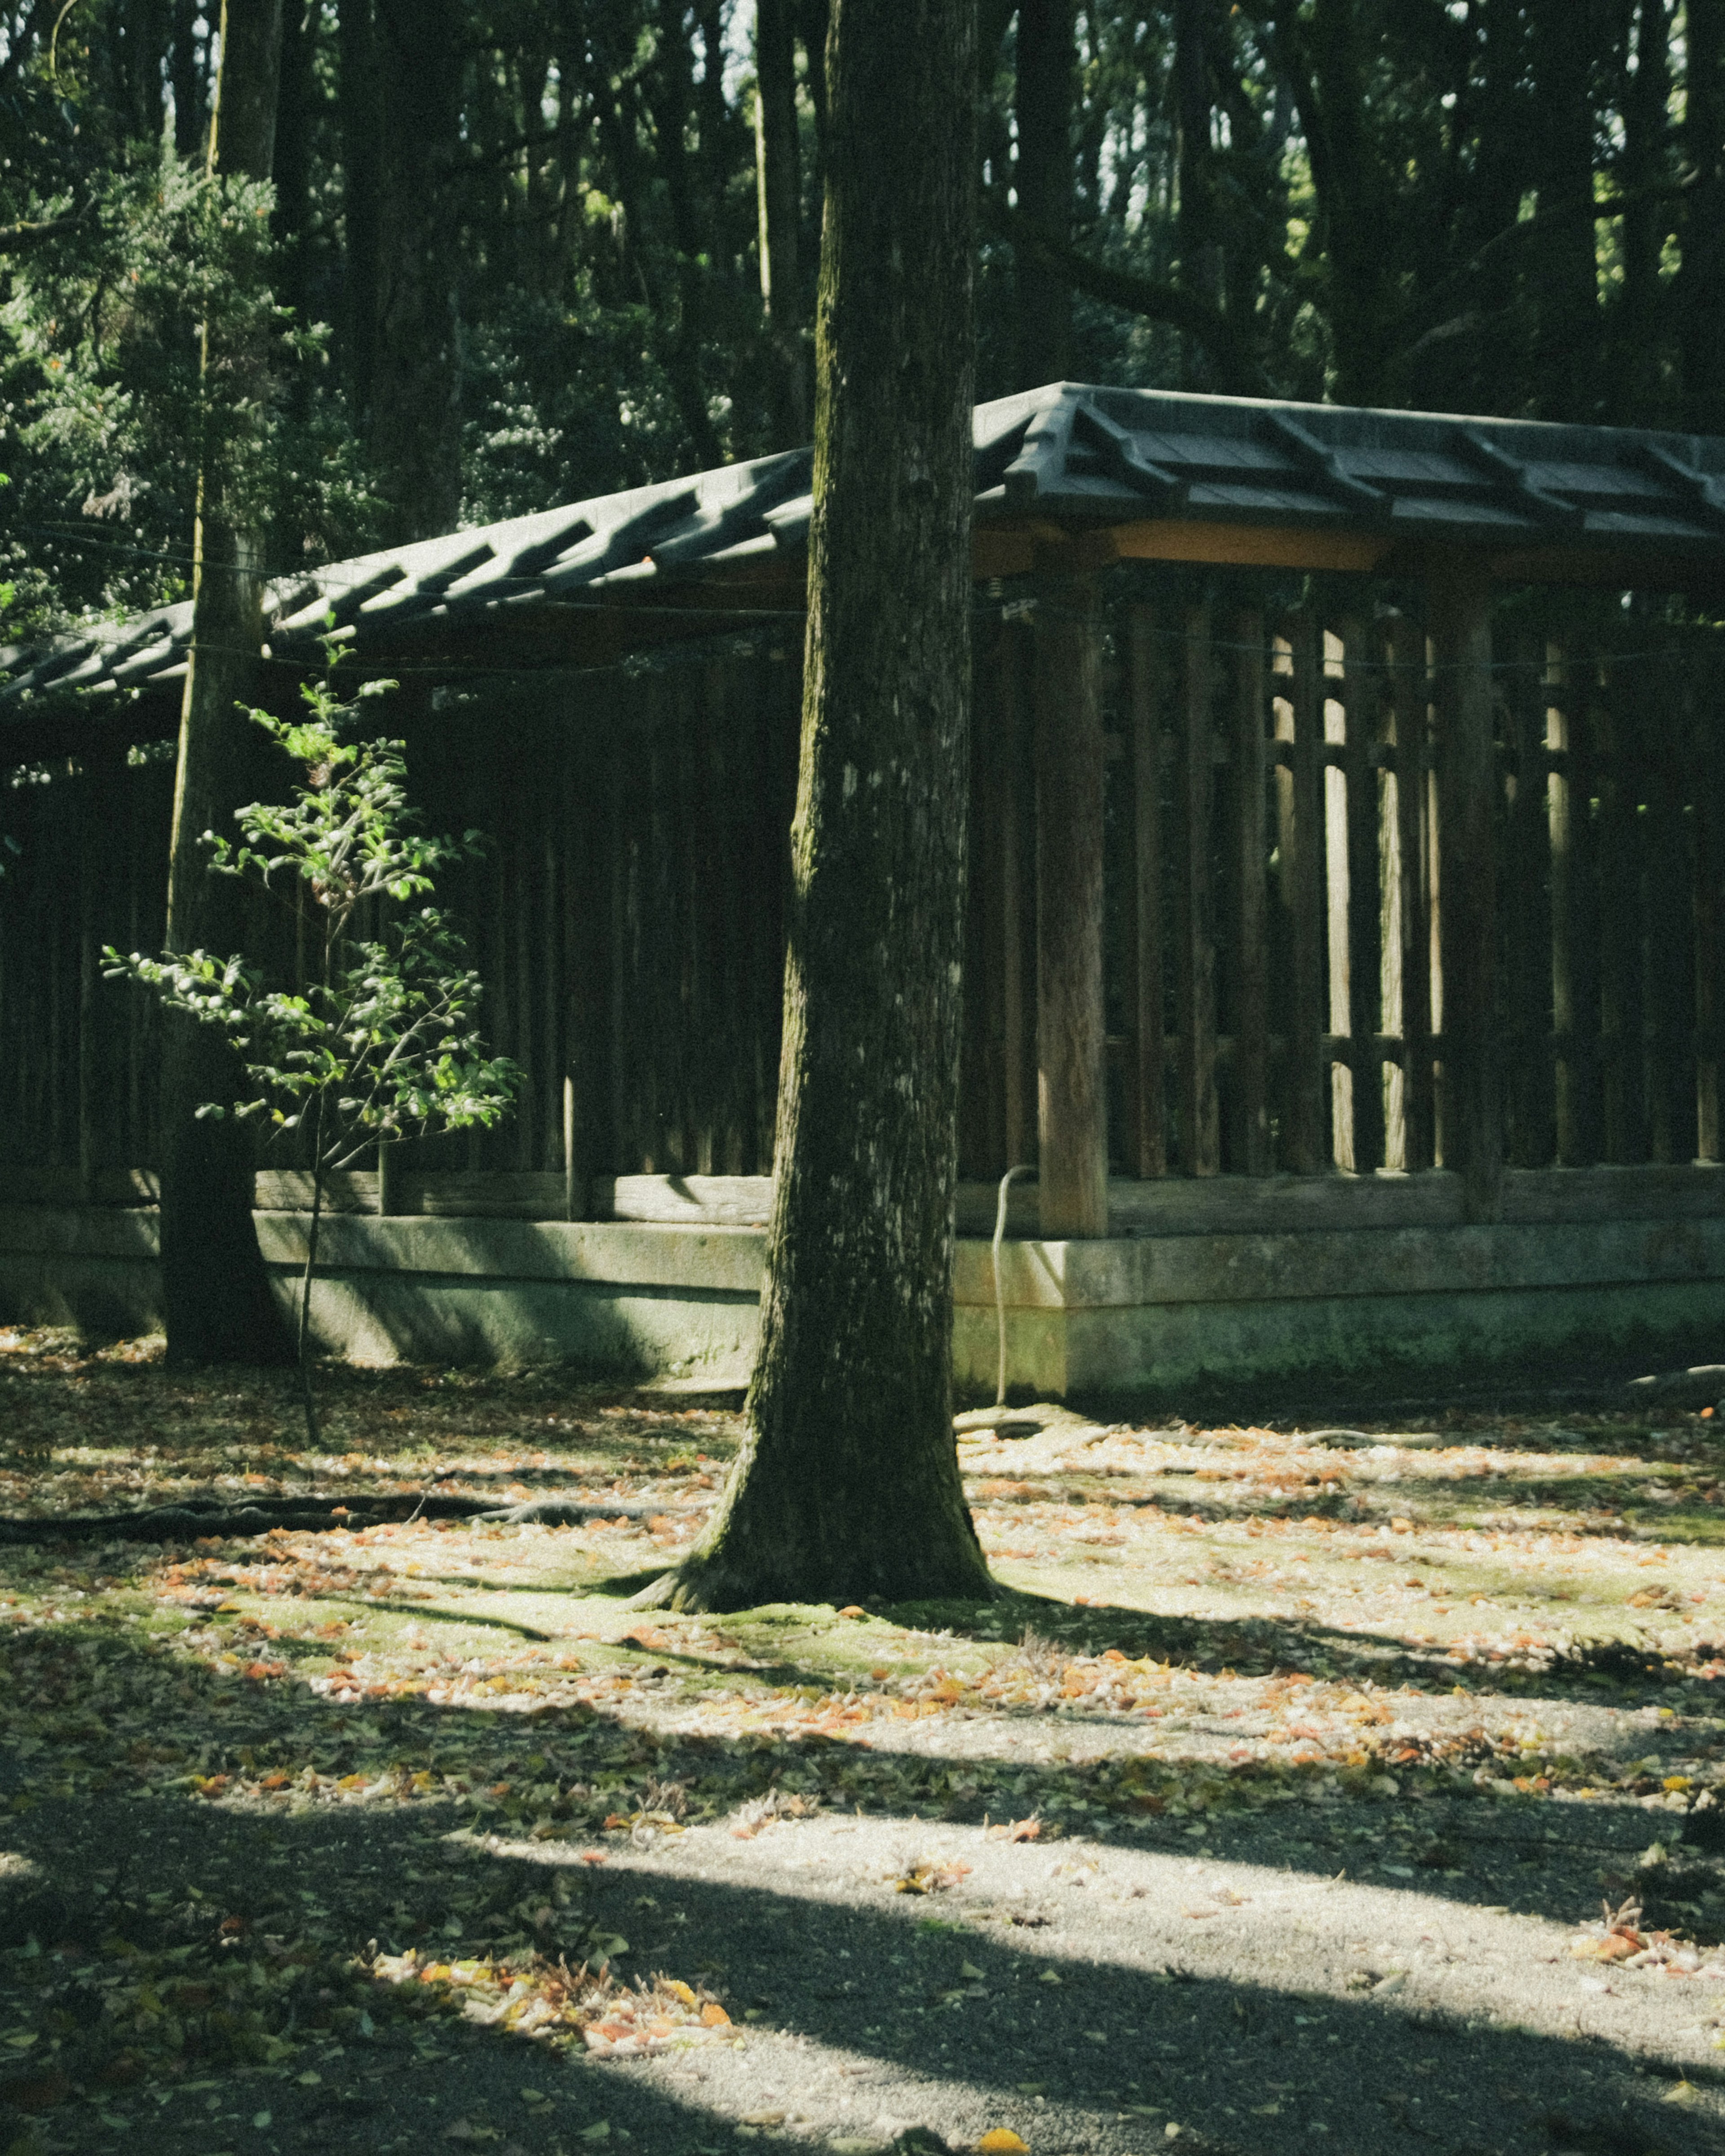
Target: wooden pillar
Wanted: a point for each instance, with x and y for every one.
(1195, 986)
(1361, 706)
(1143, 916)
(1526, 923)
(1412, 960)
(1709, 765)
(1251, 1053)
(1072, 1114)
(1460, 597)
(1300, 844)
(1005, 806)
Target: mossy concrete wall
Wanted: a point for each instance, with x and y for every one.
(1333, 1291)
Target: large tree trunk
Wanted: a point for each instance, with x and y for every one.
(215, 1291)
(416, 384)
(848, 1483)
(1042, 101)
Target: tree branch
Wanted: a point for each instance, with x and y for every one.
(1151, 297)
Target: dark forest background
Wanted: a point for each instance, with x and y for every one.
(513, 254)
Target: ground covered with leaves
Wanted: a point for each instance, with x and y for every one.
(1341, 1789)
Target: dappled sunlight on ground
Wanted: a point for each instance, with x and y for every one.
(1279, 1742)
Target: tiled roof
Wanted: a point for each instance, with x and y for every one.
(1062, 454)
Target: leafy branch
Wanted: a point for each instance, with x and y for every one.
(381, 1042)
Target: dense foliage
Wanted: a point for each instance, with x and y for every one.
(514, 252)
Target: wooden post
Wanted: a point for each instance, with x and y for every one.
(389, 1180)
(1003, 836)
(1251, 1031)
(1663, 686)
(1406, 654)
(1575, 1002)
(1619, 868)
(1473, 1124)
(1072, 1117)
(1195, 985)
(1709, 765)
(1526, 925)
(1361, 704)
(1143, 915)
(1300, 839)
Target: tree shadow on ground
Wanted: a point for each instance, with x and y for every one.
(109, 1869)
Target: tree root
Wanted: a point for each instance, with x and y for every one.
(206, 1518)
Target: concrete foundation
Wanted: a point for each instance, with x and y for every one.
(1320, 1281)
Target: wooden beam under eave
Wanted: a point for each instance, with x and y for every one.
(1249, 546)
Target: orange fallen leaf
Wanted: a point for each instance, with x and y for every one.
(714, 2016)
(1002, 2141)
(679, 1990)
(593, 1856)
(853, 1610)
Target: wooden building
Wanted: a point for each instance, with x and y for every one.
(1347, 886)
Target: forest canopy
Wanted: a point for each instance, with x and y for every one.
(512, 255)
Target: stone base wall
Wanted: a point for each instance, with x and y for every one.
(1319, 1281)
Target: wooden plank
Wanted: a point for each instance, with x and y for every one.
(1708, 763)
(1363, 746)
(1571, 736)
(1300, 851)
(1195, 900)
(1620, 926)
(1663, 685)
(1251, 995)
(1339, 975)
(1248, 544)
(1072, 1124)
(1461, 601)
(1531, 1135)
(982, 1102)
(1147, 1098)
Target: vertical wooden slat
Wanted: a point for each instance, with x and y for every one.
(1147, 1097)
(1619, 874)
(1527, 920)
(1472, 1119)
(1301, 851)
(1708, 763)
(1338, 946)
(1669, 882)
(1195, 949)
(1571, 720)
(1251, 1028)
(982, 1115)
(1017, 856)
(1361, 744)
(1072, 1121)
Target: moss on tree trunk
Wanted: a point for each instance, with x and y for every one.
(848, 1486)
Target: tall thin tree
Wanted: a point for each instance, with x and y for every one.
(848, 1483)
(214, 1287)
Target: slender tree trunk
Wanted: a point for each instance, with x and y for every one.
(302, 1341)
(1200, 256)
(1565, 275)
(1042, 99)
(780, 194)
(185, 76)
(1646, 162)
(415, 414)
(361, 184)
(848, 1483)
(1701, 278)
(214, 1287)
(296, 119)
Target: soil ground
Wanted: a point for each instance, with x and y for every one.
(1343, 1789)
